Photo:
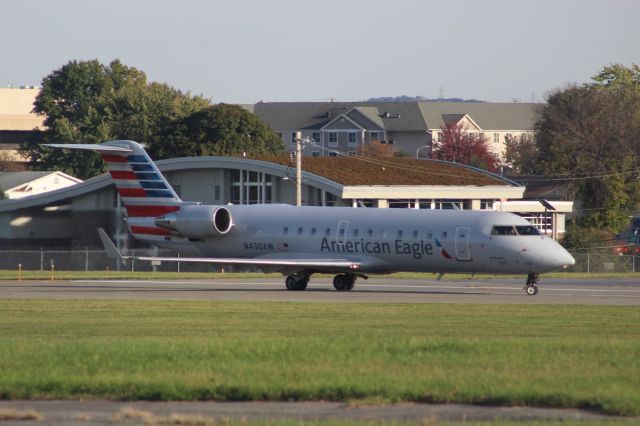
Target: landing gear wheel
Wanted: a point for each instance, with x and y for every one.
(531, 287)
(290, 282)
(296, 284)
(531, 290)
(344, 282)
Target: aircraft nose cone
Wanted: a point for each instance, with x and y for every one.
(566, 259)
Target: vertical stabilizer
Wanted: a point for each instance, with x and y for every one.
(145, 193)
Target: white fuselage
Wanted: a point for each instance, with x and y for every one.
(381, 240)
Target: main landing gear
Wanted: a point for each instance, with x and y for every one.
(297, 282)
(341, 282)
(531, 287)
(344, 282)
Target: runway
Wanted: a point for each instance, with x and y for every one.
(374, 290)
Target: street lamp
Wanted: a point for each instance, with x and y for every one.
(299, 142)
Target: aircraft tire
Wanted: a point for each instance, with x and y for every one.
(531, 290)
(340, 282)
(302, 284)
(294, 284)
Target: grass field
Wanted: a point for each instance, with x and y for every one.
(568, 356)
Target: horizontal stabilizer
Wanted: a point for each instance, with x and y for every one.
(101, 148)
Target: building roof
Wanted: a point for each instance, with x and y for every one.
(287, 116)
(394, 171)
(489, 116)
(333, 174)
(10, 180)
(400, 116)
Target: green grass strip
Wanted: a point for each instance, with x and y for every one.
(538, 355)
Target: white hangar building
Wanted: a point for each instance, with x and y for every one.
(67, 218)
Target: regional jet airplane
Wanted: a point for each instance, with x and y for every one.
(300, 241)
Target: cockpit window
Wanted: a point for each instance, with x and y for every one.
(527, 230)
(514, 230)
(503, 230)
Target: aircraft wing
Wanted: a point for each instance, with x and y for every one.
(113, 252)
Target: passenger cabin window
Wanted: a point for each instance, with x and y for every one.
(370, 233)
(515, 230)
(415, 234)
(327, 232)
(285, 231)
(356, 232)
(399, 234)
(313, 231)
(299, 231)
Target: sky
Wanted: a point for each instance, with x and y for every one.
(244, 51)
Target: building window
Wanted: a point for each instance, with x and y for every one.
(216, 192)
(351, 153)
(452, 204)
(315, 154)
(333, 138)
(316, 137)
(333, 154)
(353, 139)
(293, 138)
(376, 136)
(486, 204)
(248, 187)
(330, 199)
(496, 138)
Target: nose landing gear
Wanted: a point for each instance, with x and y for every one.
(531, 287)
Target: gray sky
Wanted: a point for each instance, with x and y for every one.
(243, 51)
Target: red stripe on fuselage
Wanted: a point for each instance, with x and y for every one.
(123, 175)
(114, 158)
(149, 230)
(150, 211)
(131, 192)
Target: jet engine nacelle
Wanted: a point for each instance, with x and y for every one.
(196, 221)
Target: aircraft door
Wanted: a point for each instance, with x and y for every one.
(341, 232)
(463, 251)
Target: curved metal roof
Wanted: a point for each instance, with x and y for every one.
(175, 164)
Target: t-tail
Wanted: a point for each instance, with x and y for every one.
(144, 192)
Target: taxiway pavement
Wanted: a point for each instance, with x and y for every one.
(374, 290)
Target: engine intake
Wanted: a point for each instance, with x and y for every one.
(196, 221)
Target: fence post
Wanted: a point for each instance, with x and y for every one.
(86, 258)
(588, 265)
(41, 259)
(178, 262)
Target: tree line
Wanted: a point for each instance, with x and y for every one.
(589, 135)
(89, 102)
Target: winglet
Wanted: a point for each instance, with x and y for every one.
(110, 248)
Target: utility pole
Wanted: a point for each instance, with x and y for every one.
(298, 169)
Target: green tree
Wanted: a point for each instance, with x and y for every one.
(88, 102)
(591, 134)
(218, 130)
(521, 153)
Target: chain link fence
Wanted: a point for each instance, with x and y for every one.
(97, 260)
(94, 260)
